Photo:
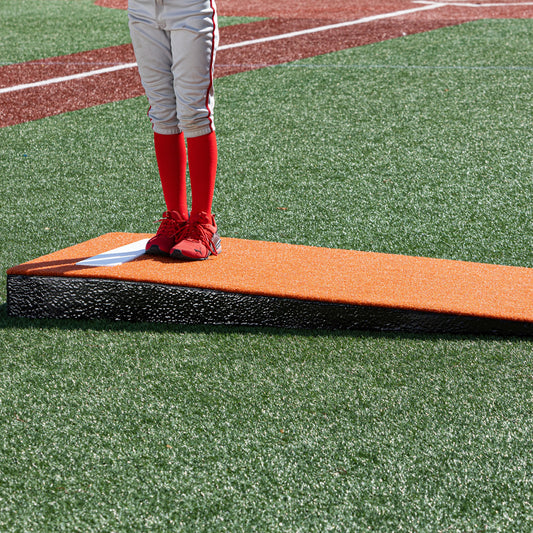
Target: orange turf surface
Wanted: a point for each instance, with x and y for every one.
(315, 274)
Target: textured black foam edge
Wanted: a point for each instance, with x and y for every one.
(83, 298)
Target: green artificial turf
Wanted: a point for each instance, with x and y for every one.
(380, 148)
(35, 29)
(148, 428)
(141, 427)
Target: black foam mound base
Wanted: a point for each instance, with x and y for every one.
(86, 298)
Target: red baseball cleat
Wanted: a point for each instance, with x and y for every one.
(200, 240)
(171, 230)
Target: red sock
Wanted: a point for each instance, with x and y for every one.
(202, 153)
(172, 164)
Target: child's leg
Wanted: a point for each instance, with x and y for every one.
(153, 52)
(154, 57)
(193, 51)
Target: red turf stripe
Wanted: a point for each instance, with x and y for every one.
(33, 104)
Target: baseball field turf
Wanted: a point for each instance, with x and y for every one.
(419, 145)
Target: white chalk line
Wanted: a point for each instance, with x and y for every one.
(364, 20)
(62, 79)
(124, 66)
(465, 3)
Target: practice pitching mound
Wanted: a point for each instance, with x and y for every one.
(255, 283)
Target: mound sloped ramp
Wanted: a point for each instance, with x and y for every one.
(273, 284)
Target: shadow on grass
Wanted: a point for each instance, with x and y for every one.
(21, 323)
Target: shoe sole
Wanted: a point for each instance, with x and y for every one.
(176, 254)
(155, 250)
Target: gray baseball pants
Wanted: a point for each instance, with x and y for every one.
(175, 43)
